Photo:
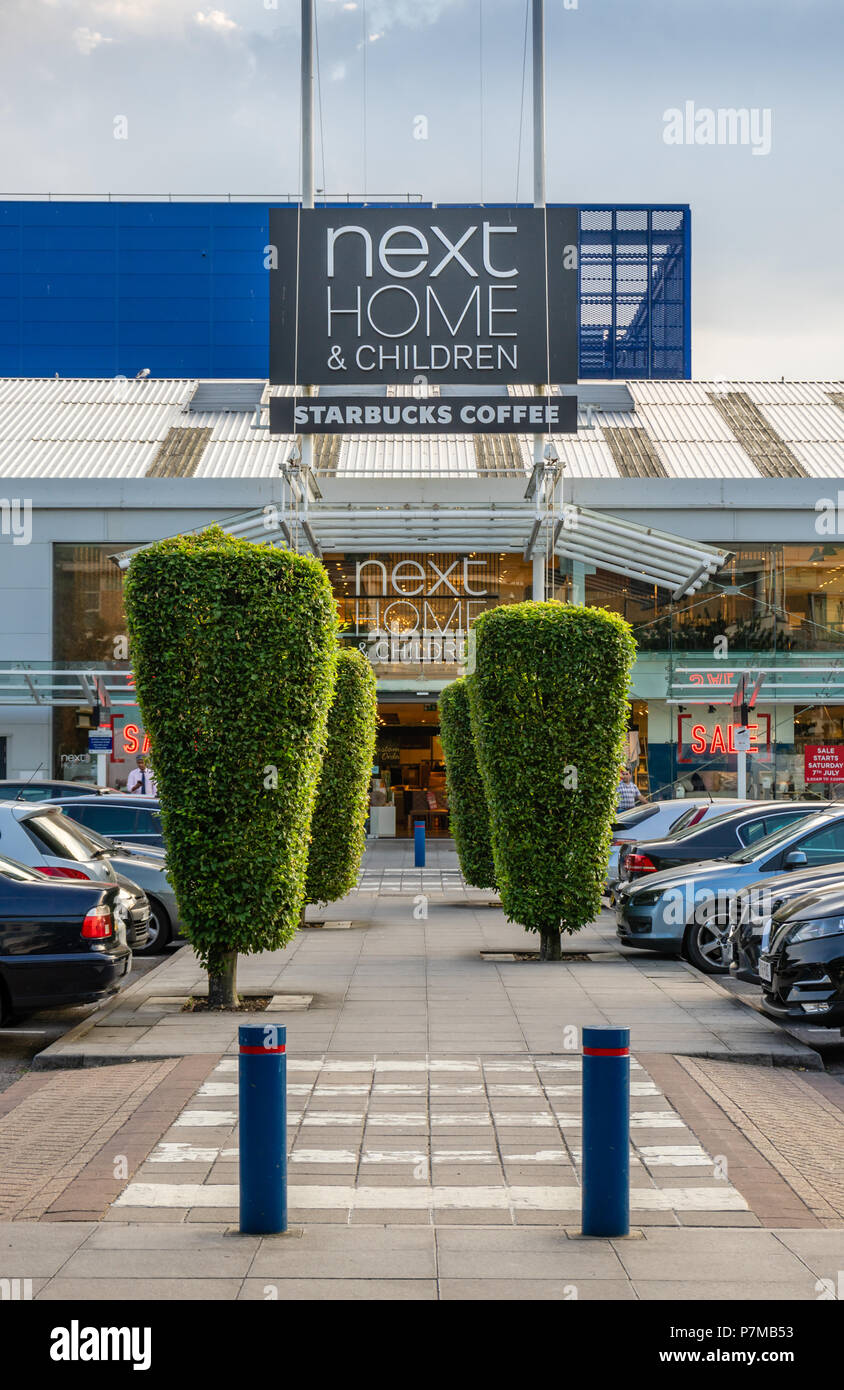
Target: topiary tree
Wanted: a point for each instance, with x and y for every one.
(337, 828)
(468, 814)
(549, 714)
(234, 649)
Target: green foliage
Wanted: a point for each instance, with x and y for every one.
(337, 829)
(549, 714)
(234, 649)
(468, 815)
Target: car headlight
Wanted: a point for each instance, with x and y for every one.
(822, 926)
(643, 899)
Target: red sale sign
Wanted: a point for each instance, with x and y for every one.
(824, 762)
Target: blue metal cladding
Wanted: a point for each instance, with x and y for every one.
(106, 288)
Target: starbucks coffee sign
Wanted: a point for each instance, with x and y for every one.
(445, 296)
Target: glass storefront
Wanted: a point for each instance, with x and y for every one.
(771, 598)
(88, 625)
(411, 614)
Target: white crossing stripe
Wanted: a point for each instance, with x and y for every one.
(421, 1198)
(198, 1119)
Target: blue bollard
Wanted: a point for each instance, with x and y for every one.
(419, 844)
(262, 1086)
(605, 1198)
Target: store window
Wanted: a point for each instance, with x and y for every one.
(88, 625)
(411, 613)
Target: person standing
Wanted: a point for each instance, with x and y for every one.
(141, 780)
(628, 793)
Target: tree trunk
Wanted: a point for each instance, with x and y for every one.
(549, 947)
(222, 980)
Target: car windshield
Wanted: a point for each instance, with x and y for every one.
(62, 837)
(625, 820)
(768, 842)
(708, 824)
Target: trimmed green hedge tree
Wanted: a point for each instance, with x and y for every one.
(549, 714)
(234, 650)
(468, 814)
(337, 829)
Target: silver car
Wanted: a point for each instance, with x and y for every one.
(653, 820)
(687, 911)
(44, 838)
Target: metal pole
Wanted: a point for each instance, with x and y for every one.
(605, 1195)
(539, 103)
(419, 845)
(538, 202)
(262, 1129)
(307, 178)
(307, 103)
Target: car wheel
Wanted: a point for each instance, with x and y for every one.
(706, 945)
(160, 930)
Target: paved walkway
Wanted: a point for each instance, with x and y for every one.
(434, 1099)
(436, 973)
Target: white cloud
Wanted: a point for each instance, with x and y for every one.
(86, 40)
(217, 20)
(338, 72)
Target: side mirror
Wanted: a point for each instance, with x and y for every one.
(796, 859)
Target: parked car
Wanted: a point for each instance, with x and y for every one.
(61, 942)
(756, 904)
(134, 820)
(653, 820)
(802, 969)
(148, 869)
(43, 789)
(717, 837)
(43, 837)
(135, 908)
(686, 910)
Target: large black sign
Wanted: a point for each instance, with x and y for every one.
(457, 296)
(431, 415)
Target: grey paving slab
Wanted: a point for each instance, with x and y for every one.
(353, 1290)
(725, 1291)
(164, 1289)
(536, 1290)
(683, 1256)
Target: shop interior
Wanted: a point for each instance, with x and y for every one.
(408, 783)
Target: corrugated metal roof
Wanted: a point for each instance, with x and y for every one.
(108, 427)
(820, 422)
(711, 460)
(76, 458)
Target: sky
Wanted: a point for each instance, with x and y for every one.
(160, 96)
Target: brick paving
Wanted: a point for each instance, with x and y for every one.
(793, 1122)
(56, 1126)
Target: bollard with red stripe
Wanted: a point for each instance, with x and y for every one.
(262, 1088)
(605, 1199)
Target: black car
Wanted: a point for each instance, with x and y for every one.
(131, 820)
(134, 906)
(802, 970)
(714, 839)
(756, 904)
(61, 942)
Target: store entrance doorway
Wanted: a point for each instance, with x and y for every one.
(410, 766)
